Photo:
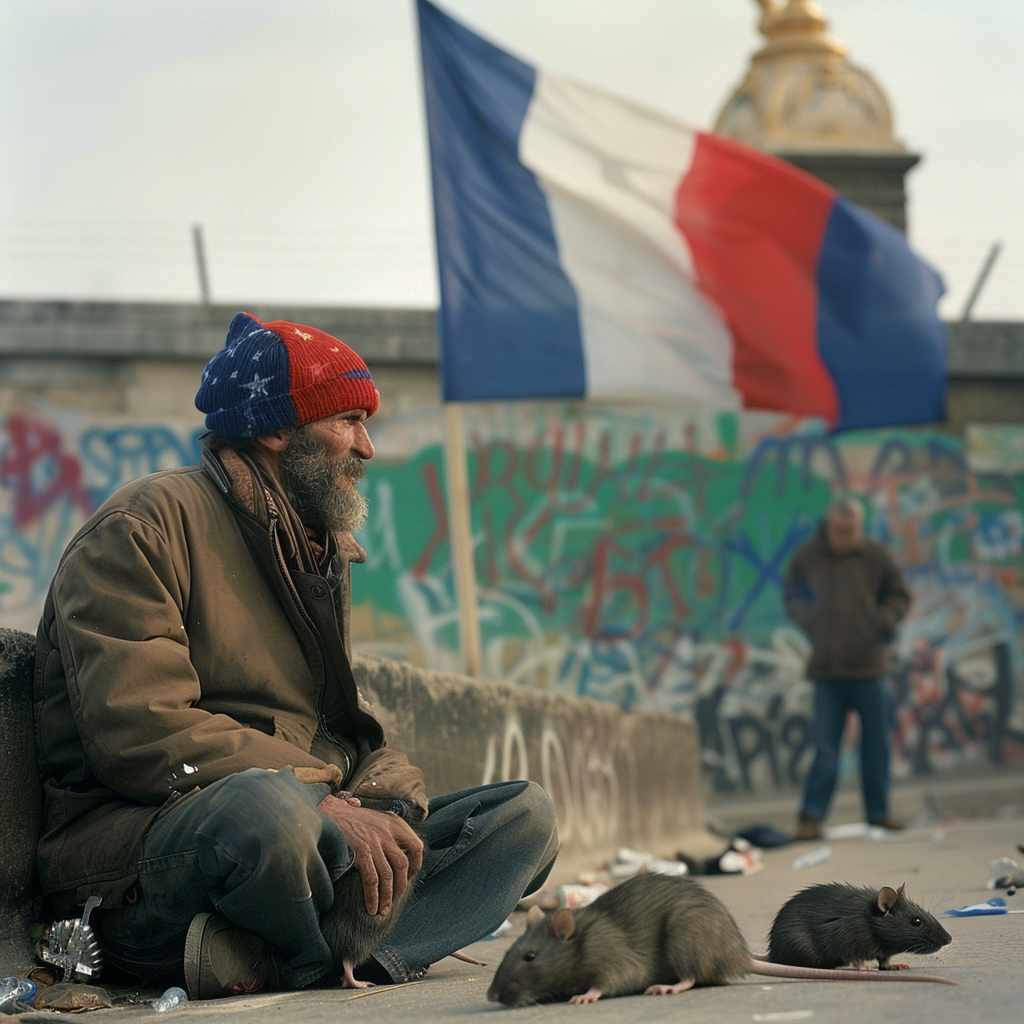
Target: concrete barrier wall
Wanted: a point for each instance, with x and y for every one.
(617, 778)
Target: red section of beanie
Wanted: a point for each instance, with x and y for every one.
(327, 376)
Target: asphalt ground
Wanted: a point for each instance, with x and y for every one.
(945, 863)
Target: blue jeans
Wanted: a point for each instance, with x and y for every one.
(254, 847)
(833, 699)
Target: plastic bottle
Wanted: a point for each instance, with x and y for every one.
(812, 857)
(16, 990)
(172, 998)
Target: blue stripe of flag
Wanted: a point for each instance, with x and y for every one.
(509, 320)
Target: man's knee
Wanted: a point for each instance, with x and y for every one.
(539, 810)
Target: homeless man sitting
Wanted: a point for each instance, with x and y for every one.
(211, 769)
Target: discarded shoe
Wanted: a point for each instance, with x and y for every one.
(808, 828)
(222, 959)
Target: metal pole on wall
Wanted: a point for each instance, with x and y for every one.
(204, 282)
(460, 538)
(986, 269)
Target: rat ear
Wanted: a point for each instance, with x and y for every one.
(887, 896)
(534, 914)
(564, 923)
(901, 890)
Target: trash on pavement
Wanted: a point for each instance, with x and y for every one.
(172, 998)
(71, 946)
(73, 996)
(996, 905)
(1006, 874)
(580, 895)
(813, 857)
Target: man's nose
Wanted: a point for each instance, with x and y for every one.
(361, 443)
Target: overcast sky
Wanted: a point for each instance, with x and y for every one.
(293, 132)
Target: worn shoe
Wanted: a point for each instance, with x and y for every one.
(808, 828)
(890, 823)
(222, 959)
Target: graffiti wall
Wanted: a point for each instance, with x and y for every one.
(635, 557)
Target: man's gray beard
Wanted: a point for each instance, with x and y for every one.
(309, 476)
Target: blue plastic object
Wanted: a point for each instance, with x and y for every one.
(996, 905)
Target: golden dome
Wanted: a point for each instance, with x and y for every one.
(801, 94)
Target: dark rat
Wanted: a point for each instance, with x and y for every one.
(834, 923)
(653, 933)
(350, 932)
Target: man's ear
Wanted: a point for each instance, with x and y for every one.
(276, 441)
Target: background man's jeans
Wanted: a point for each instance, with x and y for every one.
(254, 847)
(833, 700)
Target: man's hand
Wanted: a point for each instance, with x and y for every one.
(386, 849)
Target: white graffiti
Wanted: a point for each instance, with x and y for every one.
(584, 778)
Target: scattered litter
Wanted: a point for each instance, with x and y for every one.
(16, 994)
(783, 1015)
(1006, 874)
(172, 998)
(996, 905)
(593, 877)
(580, 895)
(813, 857)
(73, 996)
(628, 863)
(71, 946)
(765, 836)
(502, 929)
(741, 859)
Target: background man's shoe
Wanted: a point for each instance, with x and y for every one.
(889, 823)
(222, 959)
(808, 828)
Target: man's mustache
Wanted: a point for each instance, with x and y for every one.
(351, 466)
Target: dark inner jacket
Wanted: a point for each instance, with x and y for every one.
(849, 605)
(185, 638)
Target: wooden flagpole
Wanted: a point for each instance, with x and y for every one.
(460, 537)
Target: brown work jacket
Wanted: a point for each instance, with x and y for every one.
(178, 646)
(849, 605)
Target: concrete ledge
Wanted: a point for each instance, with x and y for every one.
(21, 803)
(179, 330)
(617, 778)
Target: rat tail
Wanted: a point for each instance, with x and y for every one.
(764, 967)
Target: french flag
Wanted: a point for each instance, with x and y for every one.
(589, 247)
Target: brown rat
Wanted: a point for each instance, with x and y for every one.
(834, 923)
(654, 934)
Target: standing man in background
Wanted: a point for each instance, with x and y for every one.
(846, 592)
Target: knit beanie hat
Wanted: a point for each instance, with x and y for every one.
(277, 375)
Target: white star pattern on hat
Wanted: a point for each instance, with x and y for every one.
(257, 386)
(303, 335)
